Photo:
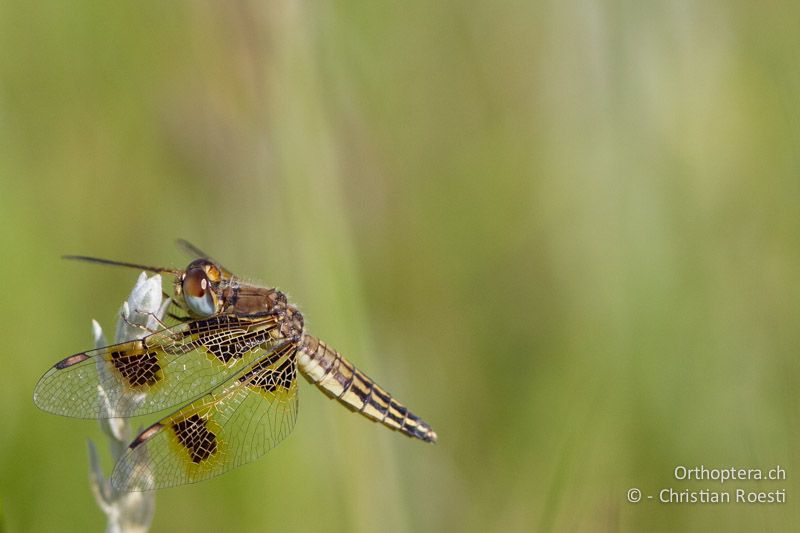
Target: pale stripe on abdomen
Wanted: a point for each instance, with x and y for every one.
(340, 379)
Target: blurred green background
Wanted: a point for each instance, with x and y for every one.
(566, 234)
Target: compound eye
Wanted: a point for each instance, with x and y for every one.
(198, 294)
(195, 283)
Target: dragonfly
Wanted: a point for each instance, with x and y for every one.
(229, 364)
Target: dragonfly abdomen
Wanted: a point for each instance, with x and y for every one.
(340, 379)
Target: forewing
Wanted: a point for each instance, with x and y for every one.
(162, 370)
(233, 425)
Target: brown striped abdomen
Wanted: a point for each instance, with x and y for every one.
(340, 379)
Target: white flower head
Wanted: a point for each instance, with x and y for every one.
(140, 314)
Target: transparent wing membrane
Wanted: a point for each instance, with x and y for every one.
(162, 370)
(234, 424)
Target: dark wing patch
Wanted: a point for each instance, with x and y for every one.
(234, 424)
(193, 434)
(162, 370)
(138, 368)
(225, 347)
(267, 377)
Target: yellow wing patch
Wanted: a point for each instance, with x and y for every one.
(162, 370)
(234, 424)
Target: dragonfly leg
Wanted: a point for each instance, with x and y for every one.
(139, 326)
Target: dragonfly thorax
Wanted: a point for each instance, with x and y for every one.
(250, 300)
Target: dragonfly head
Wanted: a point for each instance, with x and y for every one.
(198, 288)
